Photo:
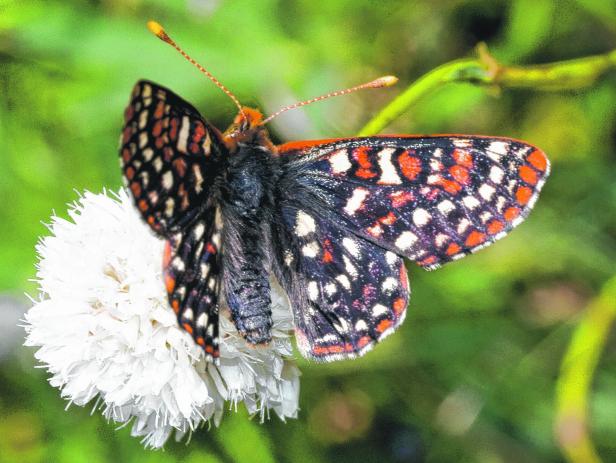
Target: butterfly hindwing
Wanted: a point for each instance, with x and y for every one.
(346, 292)
(431, 199)
(169, 156)
(192, 273)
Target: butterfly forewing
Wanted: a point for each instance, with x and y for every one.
(431, 199)
(169, 156)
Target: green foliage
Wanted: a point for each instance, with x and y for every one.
(471, 376)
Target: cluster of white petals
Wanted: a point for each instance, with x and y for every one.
(106, 334)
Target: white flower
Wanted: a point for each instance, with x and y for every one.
(105, 331)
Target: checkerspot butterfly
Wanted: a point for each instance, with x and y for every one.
(331, 220)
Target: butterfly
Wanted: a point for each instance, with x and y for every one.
(330, 220)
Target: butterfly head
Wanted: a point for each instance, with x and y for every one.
(247, 128)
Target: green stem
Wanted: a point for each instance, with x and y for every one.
(485, 70)
(575, 380)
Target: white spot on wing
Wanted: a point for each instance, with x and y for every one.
(344, 281)
(183, 136)
(463, 225)
(389, 285)
(143, 118)
(379, 309)
(351, 246)
(313, 290)
(446, 207)
(391, 258)
(355, 201)
(167, 180)
(470, 202)
(420, 217)
(311, 249)
(202, 320)
(349, 267)
(304, 224)
(389, 175)
(496, 174)
(330, 289)
(361, 325)
(339, 161)
(486, 191)
(405, 240)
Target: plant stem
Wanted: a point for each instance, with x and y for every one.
(577, 370)
(485, 70)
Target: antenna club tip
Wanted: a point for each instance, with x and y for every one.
(385, 81)
(158, 30)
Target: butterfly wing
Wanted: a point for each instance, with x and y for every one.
(346, 292)
(170, 156)
(431, 199)
(351, 207)
(192, 276)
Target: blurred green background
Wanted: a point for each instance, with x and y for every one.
(471, 375)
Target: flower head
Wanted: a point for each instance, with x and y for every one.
(104, 330)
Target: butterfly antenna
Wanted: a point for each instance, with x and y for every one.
(160, 32)
(385, 81)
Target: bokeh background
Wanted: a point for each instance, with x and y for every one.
(471, 375)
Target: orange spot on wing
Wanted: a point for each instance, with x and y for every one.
(523, 194)
(400, 198)
(452, 249)
(157, 129)
(365, 173)
(383, 325)
(169, 283)
(180, 166)
(126, 134)
(209, 247)
(327, 251)
(463, 158)
(528, 175)
(167, 254)
(175, 305)
(364, 341)
(135, 187)
(409, 165)
(399, 306)
(495, 226)
(538, 160)
(143, 206)
(389, 219)
(188, 328)
(160, 109)
(173, 132)
(460, 174)
(449, 185)
(209, 348)
(150, 219)
(511, 213)
(199, 132)
(130, 173)
(201, 341)
(475, 238)
(428, 260)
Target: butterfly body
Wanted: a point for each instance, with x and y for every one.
(330, 220)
